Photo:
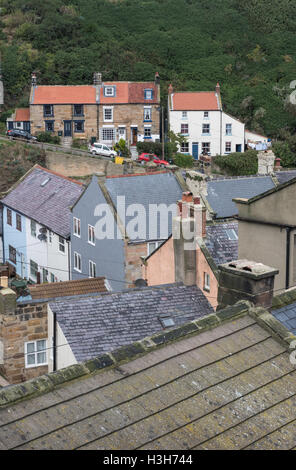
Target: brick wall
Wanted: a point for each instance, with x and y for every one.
(133, 264)
(28, 323)
(65, 112)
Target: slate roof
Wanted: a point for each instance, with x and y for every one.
(228, 387)
(195, 101)
(48, 205)
(67, 288)
(220, 246)
(222, 191)
(287, 316)
(149, 189)
(99, 324)
(284, 176)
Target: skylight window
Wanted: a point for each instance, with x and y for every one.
(167, 322)
(232, 235)
(44, 182)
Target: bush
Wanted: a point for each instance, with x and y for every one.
(283, 151)
(184, 161)
(156, 147)
(79, 144)
(122, 149)
(48, 138)
(238, 164)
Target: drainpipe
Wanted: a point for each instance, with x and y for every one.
(69, 261)
(288, 231)
(54, 343)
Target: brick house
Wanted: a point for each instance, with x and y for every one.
(105, 111)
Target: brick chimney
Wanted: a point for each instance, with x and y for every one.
(7, 301)
(217, 88)
(157, 78)
(97, 79)
(170, 89)
(34, 79)
(246, 280)
(188, 226)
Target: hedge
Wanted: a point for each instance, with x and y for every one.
(238, 164)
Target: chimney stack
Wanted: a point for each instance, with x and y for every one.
(7, 301)
(217, 88)
(97, 79)
(189, 225)
(157, 78)
(34, 79)
(246, 280)
(171, 89)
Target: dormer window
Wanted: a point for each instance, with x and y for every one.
(148, 94)
(109, 90)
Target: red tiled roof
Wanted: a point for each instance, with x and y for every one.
(121, 95)
(22, 114)
(68, 94)
(136, 92)
(195, 101)
(67, 288)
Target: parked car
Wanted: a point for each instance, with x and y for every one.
(101, 149)
(20, 134)
(151, 157)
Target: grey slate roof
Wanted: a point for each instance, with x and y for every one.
(161, 188)
(217, 241)
(98, 324)
(222, 191)
(287, 316)
(284, 176)
(48, 205)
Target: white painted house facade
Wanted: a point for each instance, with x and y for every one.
(36, 225)
(207, 129)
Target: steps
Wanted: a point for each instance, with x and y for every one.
(67, 142)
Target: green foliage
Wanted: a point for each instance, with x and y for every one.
(248, 46)
(122, 149)
(182, 160)
(283, 151)
(236, 164)
(79, 144)
(48, 137)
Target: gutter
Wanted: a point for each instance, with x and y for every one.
(54, 342)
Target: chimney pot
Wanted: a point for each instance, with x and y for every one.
(157, 78)
(34, 79)
(218, 88)
(246, 280)
(171, 89)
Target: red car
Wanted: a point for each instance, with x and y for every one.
(151, 157)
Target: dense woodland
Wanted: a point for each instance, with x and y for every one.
(248, 46)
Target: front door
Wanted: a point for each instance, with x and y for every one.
(195, 150)
(134, 135)
(67, 128)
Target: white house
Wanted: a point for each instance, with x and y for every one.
(200, 118)
(36, 225)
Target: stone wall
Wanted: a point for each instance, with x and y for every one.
(133, 263)
(266, 160)
(27, 323)
(65, 112)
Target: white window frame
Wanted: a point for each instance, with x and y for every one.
(77, 262)
(184, 115)
(35, 353)
(206, 115)
(186, 144)
(207, 282)
(108, 108)
(203, 144)
(108, 88)
(227, 144)
(183, 124)
(92, 238)
(147, 132)
(62, 243)
(208, 127)
(149, 251)
(76, 227)
(37, 269)
(148, 110)
(92, 269)
(227, 127)
(108, 130)
(33, 227)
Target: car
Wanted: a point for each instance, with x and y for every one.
(151, 157)
(20, 134)
(101, 149)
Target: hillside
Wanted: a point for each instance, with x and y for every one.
(249, 47)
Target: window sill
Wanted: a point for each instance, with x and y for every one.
(206, 135)
(76, 235)
(147, 138)
(36, 365)
(92, 244)
(77, 270)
